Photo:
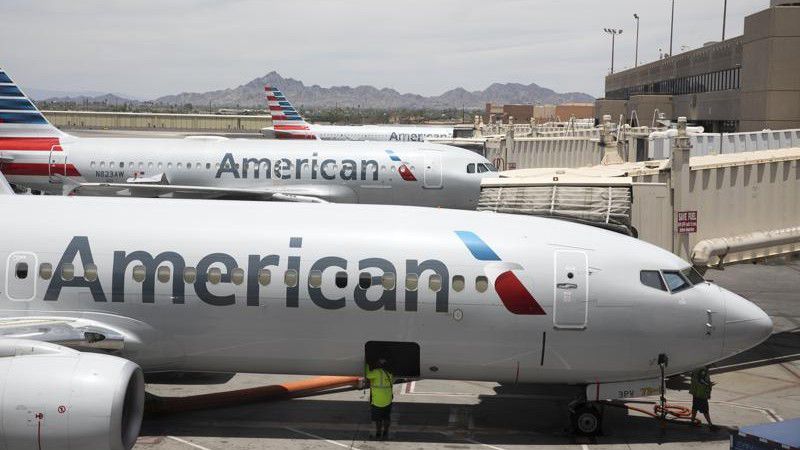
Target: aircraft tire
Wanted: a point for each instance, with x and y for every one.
(587, 420)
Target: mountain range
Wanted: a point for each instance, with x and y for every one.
(251, 95)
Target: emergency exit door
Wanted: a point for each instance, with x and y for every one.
(571, 286)
(57, 164)
(21, 276)
(433, 169)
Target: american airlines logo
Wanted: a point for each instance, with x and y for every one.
(305, 168)
(150, 268)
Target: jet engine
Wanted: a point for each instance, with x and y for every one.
(55, 397)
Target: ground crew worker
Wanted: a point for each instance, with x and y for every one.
(380, 396)
(701, 392)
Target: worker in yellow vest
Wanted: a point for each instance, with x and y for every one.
(381, 381)
(701, 393)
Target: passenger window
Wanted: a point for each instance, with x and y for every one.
(481, 284)
(214, 275)
(121, 165)
(652, 278)
(67, 272)
(341, 279)
(189, 275)
(189, 165)
(471, 168)
(693, 275)
(290, 278)
(21, 270)
(90, 272)
(458, 283)
(237, 276)
(388, 281)
(412, 280)
(264, 277)
(315, 278)
(163, 273)
(675, 281)
(364, 280)
(46, 271)
(138, 274)
(435, 282)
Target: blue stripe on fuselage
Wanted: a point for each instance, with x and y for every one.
(479, 249)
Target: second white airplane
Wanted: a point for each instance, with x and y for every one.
(36, 155)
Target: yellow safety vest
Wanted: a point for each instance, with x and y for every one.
(380, 387)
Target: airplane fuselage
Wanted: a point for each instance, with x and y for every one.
(380, 133)
(359, 172)
(287, 288)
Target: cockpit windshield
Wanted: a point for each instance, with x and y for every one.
(671, 280)
(480, 168)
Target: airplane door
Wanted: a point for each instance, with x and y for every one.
(571, 289)
(21, 276)
(433, 170)
(57, 164)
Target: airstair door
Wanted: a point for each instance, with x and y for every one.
(57, 164)
(432, 169)
(571, 289)
(21, 276)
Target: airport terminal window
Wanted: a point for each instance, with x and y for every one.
(237, 276)
(364, 280)
(693, 275)
(264, 277)
(435, 282)
(21, 270)
(290, 278)
(471, 168)
(46, 271)
(341, 279)
(67, 272)
(675, 281)
(315, 278)
(163, 273)
(138, 274)
(458, 283)
(214, 275)
(652, 278)
(481, 283)
(412, 280)
(90, 272)
(388, 281)
(189, 275)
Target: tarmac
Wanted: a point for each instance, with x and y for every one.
(759, 386)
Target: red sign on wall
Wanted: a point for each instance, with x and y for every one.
(686, 222)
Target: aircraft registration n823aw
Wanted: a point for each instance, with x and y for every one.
(195, 285)
(36, 155)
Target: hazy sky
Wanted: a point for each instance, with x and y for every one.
(150, 48)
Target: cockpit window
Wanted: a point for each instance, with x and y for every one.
(471, 168)
(693, 275)
(482, 168)
(675, 281)
(491, 167)
(652, 278)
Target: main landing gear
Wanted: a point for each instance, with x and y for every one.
(586, 418)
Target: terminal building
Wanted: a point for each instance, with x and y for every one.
(747, 83)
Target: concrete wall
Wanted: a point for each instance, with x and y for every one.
(770, 95)
(147, 121)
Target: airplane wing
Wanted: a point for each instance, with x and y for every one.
(298, 193)
(78, 334)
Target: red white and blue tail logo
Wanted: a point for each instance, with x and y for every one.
(514, 295)
(286, 121)
(18, 115)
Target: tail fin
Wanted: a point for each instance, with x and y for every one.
(286, 121)
(19, 117)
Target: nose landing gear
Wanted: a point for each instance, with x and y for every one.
(587, 419)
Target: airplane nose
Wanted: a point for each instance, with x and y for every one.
(746, 325)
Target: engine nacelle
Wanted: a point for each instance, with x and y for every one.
(55, 397)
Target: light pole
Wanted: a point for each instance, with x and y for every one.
(671, 27)
(724, 16)
(636, 57)
(613, 32)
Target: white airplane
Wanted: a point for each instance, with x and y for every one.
(287, 123)
(36, 155)
(153, 285)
